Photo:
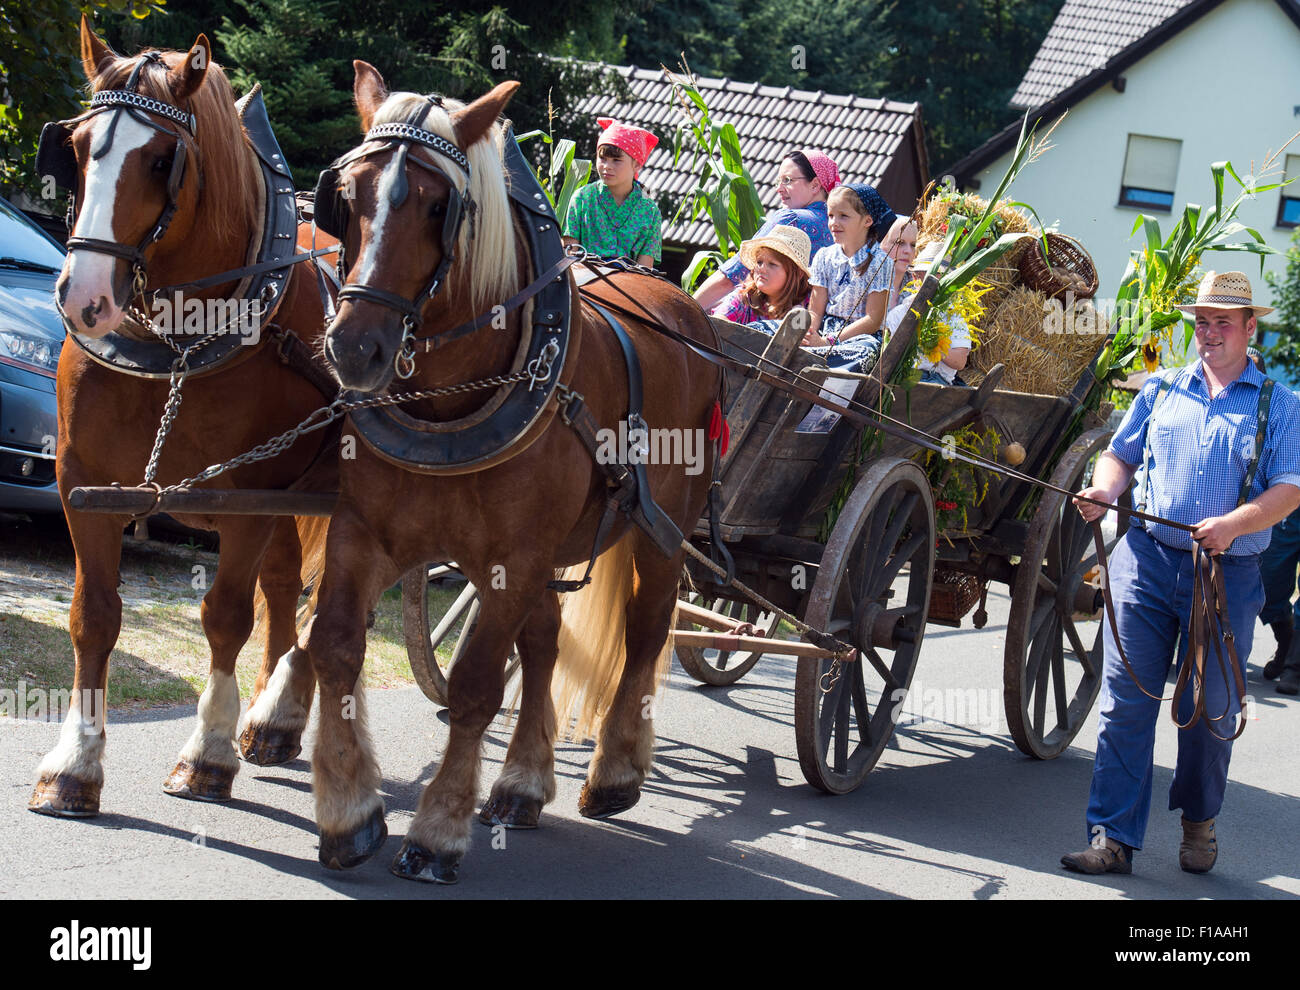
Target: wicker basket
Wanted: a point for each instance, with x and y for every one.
(952, 595)
(1071, 268)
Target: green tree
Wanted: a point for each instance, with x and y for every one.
(1282, 355)
(40, 73)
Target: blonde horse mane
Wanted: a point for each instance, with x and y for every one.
(491, 237)
(225, 157)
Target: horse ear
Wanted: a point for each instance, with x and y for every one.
(184, 79)
(368, 91)
(95, 55)
(471, 123)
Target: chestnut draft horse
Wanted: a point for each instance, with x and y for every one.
(125, 174)
(511, 519)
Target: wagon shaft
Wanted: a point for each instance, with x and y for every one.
(226, 502)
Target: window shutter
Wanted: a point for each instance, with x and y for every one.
(1152, 163)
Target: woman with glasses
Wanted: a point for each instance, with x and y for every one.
(615, 218)
(803, 182)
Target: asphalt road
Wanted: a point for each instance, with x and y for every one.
(953, 810)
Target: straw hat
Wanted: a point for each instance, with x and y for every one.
(926, 258)
(1225, 290)
(783, 239)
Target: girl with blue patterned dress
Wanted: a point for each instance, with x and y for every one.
(851, 280)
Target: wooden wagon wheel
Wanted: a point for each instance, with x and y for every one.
(721, 667)
(872, 591)
(425, 630)
(1054, 631)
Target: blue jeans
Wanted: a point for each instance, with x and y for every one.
(1152, 589)
(1277, 566)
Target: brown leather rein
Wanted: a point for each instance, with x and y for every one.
(1209, 601)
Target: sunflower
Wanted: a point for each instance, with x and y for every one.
(1151, 355)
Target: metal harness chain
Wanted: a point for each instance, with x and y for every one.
(179, 372)
(335, 410)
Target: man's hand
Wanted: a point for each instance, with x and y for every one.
(1089, 511)
(1216, 533)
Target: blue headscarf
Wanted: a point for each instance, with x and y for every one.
(882, 217)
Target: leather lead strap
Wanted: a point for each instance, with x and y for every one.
(1209, 610)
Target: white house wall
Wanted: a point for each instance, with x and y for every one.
(1228, 86)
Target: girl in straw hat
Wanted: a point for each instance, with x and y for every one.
(803, 181)
(777, 281)
(615, 218)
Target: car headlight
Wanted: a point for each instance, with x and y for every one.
(39, 354)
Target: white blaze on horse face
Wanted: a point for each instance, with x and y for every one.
(367, 264)
(89, 303)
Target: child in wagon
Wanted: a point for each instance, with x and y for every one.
(777, 281)
(615, 218)
(851, 280)
(938, 369)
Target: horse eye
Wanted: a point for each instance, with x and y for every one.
(437, 209)
(162, 165)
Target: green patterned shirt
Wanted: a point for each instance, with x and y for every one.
(608, 230)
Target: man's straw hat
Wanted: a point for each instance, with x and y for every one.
(789, 241)
(1225, 290)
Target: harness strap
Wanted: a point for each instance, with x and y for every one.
(237, 274)
(434, 341)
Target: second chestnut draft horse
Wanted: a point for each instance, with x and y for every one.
(424, 213)
(169, 190)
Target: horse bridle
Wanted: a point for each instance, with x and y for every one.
(54, 157)
(333, 215)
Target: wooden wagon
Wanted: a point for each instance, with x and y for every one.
(883, 572)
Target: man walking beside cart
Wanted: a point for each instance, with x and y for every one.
(1222, 451)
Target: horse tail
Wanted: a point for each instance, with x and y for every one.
(311, 537)
(593, 641)
(311, 540)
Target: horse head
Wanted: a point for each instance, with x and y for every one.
(412, 235)
(139, 161)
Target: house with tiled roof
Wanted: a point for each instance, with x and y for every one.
(1153, 92)
(877, 141)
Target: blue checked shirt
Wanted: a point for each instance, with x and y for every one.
(1200, 449)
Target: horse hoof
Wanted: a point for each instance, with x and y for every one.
(200, 783)
(344, 851)
(604, 802)
(417, 863)
(65, 797)
(512, 811)
(267, 747)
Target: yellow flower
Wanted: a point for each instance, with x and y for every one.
(1151, 355)
(937, 350)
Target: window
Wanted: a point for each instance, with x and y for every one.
(1288, 211)
(1150, 168)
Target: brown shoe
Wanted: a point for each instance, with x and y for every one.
(1111, 858)
(1199, 848)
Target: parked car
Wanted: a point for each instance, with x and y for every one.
(31, 338)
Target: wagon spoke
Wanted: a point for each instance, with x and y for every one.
(1058, 676)
(861, 710)
(902, 513)
(887, 675)
(886, 576)
(843, 701)
(1040, 679)
(1037, 645)
(1046, 608)
(1076, 643)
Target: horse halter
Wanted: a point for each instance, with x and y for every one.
(54, 157)
(333, 214)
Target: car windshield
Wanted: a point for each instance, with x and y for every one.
(22, 244)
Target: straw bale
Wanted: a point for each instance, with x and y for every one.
(1042, 355)
(934, 215)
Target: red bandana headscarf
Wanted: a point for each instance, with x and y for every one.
(635, 141)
